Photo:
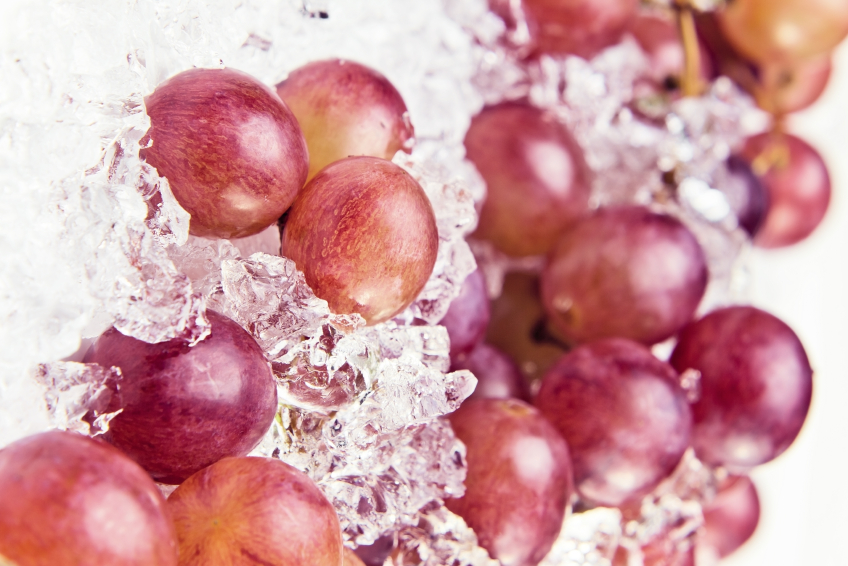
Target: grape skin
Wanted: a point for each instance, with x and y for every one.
(732, 517)
(467, 316)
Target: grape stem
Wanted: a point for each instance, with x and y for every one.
(690, 83)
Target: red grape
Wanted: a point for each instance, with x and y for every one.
(187, 407)
(364, 234)
(623, 414)
(519, 479)
(536, 177)
(732, 517)
(517, 326)
(254, 511)
(232, 151)
(756, 385)
(788, 89)
(497, 375)
(69, 500)
(784, 30)
(468, 315)
(345, 109)
(579, 27)
(624, 272)
(745, 194)
(797, 183)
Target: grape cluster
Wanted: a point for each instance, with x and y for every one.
(572, 411)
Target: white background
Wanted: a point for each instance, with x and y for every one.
(804, 493)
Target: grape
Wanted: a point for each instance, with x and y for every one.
(497, 375)
(797, 183)
(756, 385)
(349, 558)
(519, 479)
(659, 553)
(784, 30)
(185, 408)
(232, 151)
(345, 109)
(254, 511)
(537, 179)
(578, 27)
(745, 194)
(788, 89)
(69, 500)
(517, 326)
(364, 234)
(624, 272)
(468, 315)
(659, 38)
(732, 517)
(623, 414)
(376, 554)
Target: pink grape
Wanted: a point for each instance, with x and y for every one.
(732, 517)
(519, 479)
(254, 511)
(756, 385)
(364, 234)
(68, 500)
(536, 177)
(626, 272)
(784, 30)
(518, 328)
(789, 88)
(468, 315)
(184, 407)
(797, 183)
(497, 375)
(345, 109)
(659, 38)
(623, 414)
(232, 151)
(579, 27)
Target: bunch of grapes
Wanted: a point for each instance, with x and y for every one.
(576, 414)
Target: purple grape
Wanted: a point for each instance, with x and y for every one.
(537, 179)
(497, 375)
(624, 272)
(756, 385)
(623, 414)
(519, 479)
(185, 408)
(468, 315)
(746, 195)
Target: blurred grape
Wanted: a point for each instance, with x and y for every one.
(186, 407)
(346, 109)
(536, 178)
(745, 194)
(233, 153)
(789, 88)
(732, 517)
(468, 315)
(254, 511)
(623, 414)
(659, 38)
(66, 499)
(497, 375)
(519, 479)
(626, 272)
(578, 27)
(797, 183)
(364, 234)
(755, 387)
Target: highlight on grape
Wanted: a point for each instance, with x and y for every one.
(445, 345)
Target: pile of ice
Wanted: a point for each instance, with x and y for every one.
(92, 237)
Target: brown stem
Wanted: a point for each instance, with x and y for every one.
(691, 80)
